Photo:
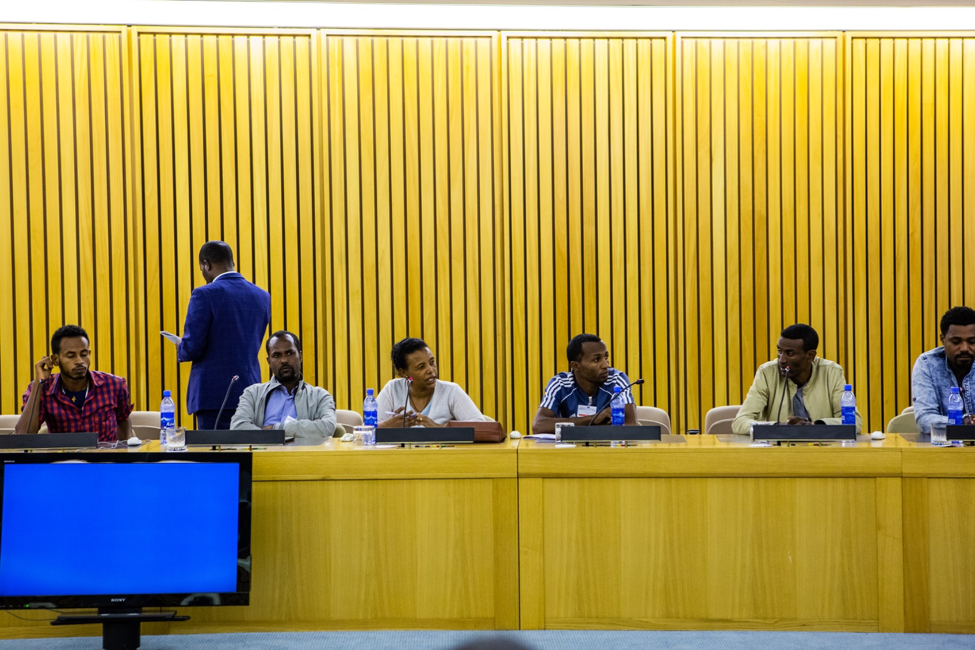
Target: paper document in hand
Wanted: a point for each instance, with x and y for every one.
(171, 337)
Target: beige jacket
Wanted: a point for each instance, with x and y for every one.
(821, 396)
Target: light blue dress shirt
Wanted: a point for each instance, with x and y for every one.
(280, 404)
(931, 383)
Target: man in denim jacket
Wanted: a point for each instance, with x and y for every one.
(937, 370)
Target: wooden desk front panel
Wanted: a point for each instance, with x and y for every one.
(939, 562)
(716, 553)
(379, 555)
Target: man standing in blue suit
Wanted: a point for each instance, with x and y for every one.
(225, 325)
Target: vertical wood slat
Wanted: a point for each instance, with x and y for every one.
(587, 178)
(912, 147)
(225, 150)
(412, 208)
(760, 163)
(63, 197)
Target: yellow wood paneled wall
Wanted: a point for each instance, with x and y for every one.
(63, 197)
(225, 141)
(589, 207)
(760, 222)
(685, 196)
(912, 204)
(413, 239)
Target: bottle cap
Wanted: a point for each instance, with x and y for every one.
(617, 389)
(848, 387)
(954, 390)
(166, 393)
(368, 392)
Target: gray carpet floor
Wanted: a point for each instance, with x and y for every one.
(544, 640)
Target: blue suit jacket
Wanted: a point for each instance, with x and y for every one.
(225, 325)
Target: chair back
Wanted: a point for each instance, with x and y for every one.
(649, 415)
(725, 427)
(720, 415)
(145, 424)
(903, 423)
(347, 419)
(909, 409)
(8, 422)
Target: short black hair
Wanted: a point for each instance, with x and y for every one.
(279, 334)
(66, 332)
(403, 349)
(574, 349)
(217, 252)
(810, 339)
(957, 316)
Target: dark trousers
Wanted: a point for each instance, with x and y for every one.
(207, 420)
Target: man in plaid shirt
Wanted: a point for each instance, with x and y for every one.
(77, 399)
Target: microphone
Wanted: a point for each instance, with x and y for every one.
(785, 389)
(233, 380)
(406, 403)
(625, 389)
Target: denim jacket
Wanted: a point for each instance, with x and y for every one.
(931, 383)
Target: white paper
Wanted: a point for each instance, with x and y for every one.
(171, 337)
(542, 436)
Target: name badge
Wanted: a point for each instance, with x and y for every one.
(585, 411)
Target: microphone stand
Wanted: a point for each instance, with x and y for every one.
(33, 407)
(785, 389)
(625, 389)
(406, 402)
(220, 412)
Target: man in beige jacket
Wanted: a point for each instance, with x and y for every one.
(797, 387)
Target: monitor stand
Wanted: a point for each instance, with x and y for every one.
(121, 628)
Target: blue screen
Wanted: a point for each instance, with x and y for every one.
(119, 528)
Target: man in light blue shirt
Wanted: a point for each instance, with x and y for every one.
(937, 370)
(286, 402)
(280, 406)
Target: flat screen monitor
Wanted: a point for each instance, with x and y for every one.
(124, 529)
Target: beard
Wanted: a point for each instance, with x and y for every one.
(963, 363)
(286, 374)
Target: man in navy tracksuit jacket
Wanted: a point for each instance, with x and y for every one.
(225, 326)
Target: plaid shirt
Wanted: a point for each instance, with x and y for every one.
(108, 403)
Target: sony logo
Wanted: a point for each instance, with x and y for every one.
(118, 600)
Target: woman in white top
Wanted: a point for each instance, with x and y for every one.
(431, 402)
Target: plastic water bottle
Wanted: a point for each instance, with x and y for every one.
(370, 410)
(848, 405)
(617, 407)
(956, 409)
(167, 417)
